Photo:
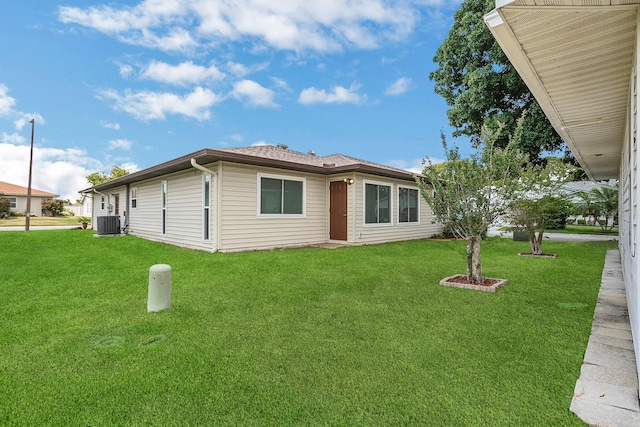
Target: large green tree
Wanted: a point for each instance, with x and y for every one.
(484, 90)
(99, 177)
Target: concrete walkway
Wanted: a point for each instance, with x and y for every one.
(606, 393)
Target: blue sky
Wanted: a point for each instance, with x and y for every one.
(138, 83)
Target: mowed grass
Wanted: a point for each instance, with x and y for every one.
(19, 221)
(349, 336)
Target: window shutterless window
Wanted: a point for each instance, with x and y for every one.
(408, 205)
(164, 190)
(377, 203)
(281, 196)
(14, 202)
(134, 197)
(206, 204)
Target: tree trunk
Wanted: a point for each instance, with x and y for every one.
(474, 262)
(536, 246)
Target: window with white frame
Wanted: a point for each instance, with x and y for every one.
(377, 203)
(134, 197)
(13, 201)
(164, 189)
(408, 206)
(206, 204)
(281, 196)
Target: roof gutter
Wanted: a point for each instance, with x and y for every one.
(195, 164)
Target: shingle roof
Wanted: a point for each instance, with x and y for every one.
(263, 155)
(7, 189)
(284, 154)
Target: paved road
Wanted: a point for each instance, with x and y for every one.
(561, 236)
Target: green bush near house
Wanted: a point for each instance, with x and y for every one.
(349, 336)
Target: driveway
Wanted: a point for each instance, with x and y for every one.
(494, 231)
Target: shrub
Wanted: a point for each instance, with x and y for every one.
(581, 221)
(5, 207)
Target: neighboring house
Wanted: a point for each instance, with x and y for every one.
(84, 208)
(17, 195)
(580, 60)
(265, 197)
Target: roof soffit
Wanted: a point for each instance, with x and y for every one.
(577, 60)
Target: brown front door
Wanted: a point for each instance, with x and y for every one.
(338, 210)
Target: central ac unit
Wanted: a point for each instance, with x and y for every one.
(108, 225)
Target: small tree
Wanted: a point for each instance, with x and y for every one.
(585, 206)
(538, 215)
(54, 206)
(605, 201)
(540, 204)
(467, 195)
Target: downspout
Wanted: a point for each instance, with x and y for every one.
(214, 174)
(127, 212)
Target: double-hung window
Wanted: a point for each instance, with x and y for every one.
(134, 197)
(280, 196)
(206, 205)
(408, 205)
(164, 190)
(377, 203)
(14, 202)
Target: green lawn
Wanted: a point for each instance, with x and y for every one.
(349, 336)
(18, 221)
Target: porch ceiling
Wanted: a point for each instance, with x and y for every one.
(576, 56)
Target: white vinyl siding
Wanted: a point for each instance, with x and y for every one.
(242, 227)
(184, 210)
(377, 234)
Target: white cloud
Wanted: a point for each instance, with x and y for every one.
(240, 70)
(185, 73)
(114, 126)
(259, 144)
(60, 171)
(338, 95)
(147, 106)
(6, 102)
(237, 137)
(399, 87)
(125, 71)
(123, 144)
(20, 118)
(14, 138)
(253, 94)
(324, 26)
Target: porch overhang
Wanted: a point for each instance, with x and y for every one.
(576, 57)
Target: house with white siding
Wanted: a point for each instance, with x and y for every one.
(264, 197)
(580, 60)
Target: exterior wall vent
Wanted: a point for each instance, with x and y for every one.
(108, 225)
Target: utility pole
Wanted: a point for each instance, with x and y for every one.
(26, 222)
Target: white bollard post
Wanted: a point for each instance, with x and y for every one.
(159, 287)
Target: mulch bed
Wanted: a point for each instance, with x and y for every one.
(460, 281)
